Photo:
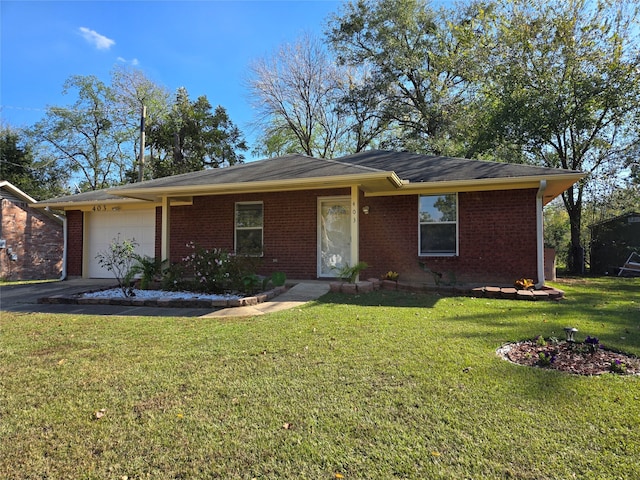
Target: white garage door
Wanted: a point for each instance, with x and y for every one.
(103, 226)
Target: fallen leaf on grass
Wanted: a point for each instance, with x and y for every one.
(338, 475)
(287, 426)
(435, 454)
(100, 413)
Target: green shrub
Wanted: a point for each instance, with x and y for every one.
(119, 259)
(348, 273)
(149, 267)
(278, 279)
(217, 271)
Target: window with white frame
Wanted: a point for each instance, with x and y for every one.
(438, 217)
(249, 228)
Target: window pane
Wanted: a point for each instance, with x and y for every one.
(437, 238)
(438, 208)
(249, 215)
(249, 241)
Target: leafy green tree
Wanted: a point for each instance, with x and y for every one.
(18, 165)
(367, 122)
(422, 64)
(563, 87)
(192, 137)
(276, 140)
(88, 138)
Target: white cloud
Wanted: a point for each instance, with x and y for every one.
(99, 41)
(133, 61)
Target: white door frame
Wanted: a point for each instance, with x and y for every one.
(351, 203)
(344, 200)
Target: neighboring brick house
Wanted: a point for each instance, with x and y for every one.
(31, 239)
(425, 217)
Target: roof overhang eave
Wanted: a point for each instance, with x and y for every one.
(556, 184)
(368, 182)
(87, 203)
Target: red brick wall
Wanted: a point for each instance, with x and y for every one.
(290, 230)
(389, 236)
(497, 238)
(34, 238)
(75, 226)
(497, 234)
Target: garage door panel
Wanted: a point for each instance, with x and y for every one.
(104, 227)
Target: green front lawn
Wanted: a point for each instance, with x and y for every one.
(384, 385)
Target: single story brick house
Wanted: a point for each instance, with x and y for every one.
(423, 216)
(31, 239)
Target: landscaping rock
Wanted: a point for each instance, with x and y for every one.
(364, 287)
(493, 292)
(525, 295)
(509, 293)
(349, 288)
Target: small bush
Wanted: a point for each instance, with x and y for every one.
(278, 279)
(348, 273)
(149, 268)
(120, 259)
(217, 271)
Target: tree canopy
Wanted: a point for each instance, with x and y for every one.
(295, 92)
(97, 139)
(193, 136)
(564, 86)
(38, 178)
(87, 138)
(422, 64)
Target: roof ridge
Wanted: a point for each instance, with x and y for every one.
(346, 164)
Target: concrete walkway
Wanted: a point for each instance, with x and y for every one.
(297, 295)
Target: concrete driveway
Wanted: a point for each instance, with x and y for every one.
(24, 298)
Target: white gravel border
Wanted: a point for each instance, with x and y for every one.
(149, 294)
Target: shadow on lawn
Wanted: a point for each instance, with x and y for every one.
(608, 308)
(383, 298)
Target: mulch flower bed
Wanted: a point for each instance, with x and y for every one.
(572, 357)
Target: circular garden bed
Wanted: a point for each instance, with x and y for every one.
(582, 358)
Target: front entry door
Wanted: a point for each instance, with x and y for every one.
(334, 235)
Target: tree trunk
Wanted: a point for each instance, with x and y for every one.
(575, 259)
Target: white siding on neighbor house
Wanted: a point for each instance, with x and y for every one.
(101, 227)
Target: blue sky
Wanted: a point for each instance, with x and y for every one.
(205, 46)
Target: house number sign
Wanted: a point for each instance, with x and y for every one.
(99, 208)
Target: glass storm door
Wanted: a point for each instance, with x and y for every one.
(334, 235)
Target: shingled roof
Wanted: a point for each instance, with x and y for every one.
(431, 168)
(376, 172)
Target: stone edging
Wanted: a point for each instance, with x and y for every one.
(509, 293)
(77, 299)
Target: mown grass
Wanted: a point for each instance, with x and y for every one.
(384, 385)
